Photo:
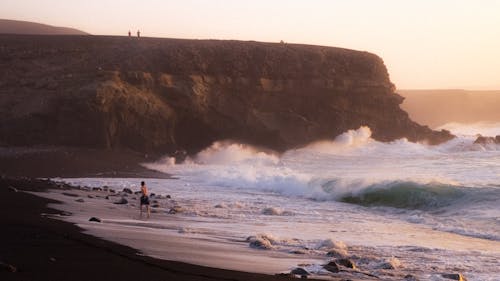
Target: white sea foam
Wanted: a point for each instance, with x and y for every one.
(352, 189)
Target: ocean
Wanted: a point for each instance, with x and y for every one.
(407, 207)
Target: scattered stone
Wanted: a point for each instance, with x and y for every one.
(90, 196)
(95, 219)
(7, 267)
(219, 206)
(271, 211)
(70, 194)
(385, 265)
(96, 189)
(339, 254)
(454, 276)
(300, 271)
(332, 267)
(346, 262)
(175, 210)
(298, 252)
(112, 190)
(107, 197)
(260, 243)
(154, 201)
(80, 200)
(127, 190)
(168, 197)
(105, 188)
(152, 195)
(137, 192)
(285, 275)
(410, 277)
(155, 206)
(121, 201)
(11, 188)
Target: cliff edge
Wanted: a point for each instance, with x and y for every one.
(165, 95)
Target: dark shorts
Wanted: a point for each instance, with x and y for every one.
(144, 200)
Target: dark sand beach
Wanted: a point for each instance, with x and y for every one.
(39, 247)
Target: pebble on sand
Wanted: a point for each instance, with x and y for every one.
(95, 219)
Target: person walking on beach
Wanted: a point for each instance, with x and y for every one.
(138, 34)
(144, 198)
(129, 33)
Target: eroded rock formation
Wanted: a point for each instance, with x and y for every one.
(166, 94)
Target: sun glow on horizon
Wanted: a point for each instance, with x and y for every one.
(425, 44)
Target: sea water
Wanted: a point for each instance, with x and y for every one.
(426, 210)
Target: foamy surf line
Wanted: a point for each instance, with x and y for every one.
(214, 229)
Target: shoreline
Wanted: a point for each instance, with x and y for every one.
(39, 247)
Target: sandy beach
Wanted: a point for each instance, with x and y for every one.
(35, 246)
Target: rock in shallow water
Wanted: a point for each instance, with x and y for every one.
(300, 271)
(332, 267)
(346, 262)
(127, 190)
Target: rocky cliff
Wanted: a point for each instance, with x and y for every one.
(166, 94)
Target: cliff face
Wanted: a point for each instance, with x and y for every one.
(166, 94)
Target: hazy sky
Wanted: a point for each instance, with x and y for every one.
(424, 43)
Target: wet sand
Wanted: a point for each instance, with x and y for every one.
(41, 248)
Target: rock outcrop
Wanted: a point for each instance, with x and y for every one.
(168, 95)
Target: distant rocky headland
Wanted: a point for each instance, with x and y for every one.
(166, 95)
(26, 27)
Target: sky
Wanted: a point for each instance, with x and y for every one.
(425, 44)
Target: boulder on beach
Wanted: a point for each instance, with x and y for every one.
(332, 267)
(80, 200)
(346, 262)
(96, 189)
(454, 276)
(260, 242)
(410, 277)
(70, 194)
(95, 219)
(121, 201)
(336, 253)
(127, 190)
(175, 210)
(300, 271)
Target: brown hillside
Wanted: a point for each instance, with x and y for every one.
(25, 27)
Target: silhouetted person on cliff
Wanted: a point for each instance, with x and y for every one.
(138, 34)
